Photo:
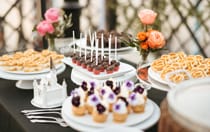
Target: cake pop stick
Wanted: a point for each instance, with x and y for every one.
(110, 39)
(89, 34)
(96, 51)
(91, 52)
(73, 41)
(80, 49)
(115, 50)
(85, 46)
(102, 46)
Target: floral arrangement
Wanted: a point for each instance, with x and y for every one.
(54, 24)
(148, 40)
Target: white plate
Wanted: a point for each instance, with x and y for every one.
(189, 103)
(156, 76)
(153, 83)
(115, 128)
(124, 68)
(141, 126)
(87, 119)
(81, 43)
(28, 73)
(157, 85)
(77, 77)
(11, 76)
(40, 106)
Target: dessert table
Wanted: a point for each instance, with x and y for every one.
(13, 100)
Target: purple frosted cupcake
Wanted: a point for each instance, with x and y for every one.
(129, 85)
(92, 101)
(137, 102)
(110, 98)
(120, 111)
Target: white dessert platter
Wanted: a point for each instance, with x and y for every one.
(29, 73)
(85, 123)
(124, 68)
(25, 80)
(189, 104)
(78, 77)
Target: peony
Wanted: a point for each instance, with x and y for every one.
(147, 16)
(45, 27)
(156, 40)
(52, 15)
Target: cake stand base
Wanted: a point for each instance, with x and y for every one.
(24, 84)
(78, 77)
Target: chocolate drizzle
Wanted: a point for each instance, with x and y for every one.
(110, 84)
(117, 90)
(124, 100)
(100, 108)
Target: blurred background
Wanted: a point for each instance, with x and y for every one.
(184, 23)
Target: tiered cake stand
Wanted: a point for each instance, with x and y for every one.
(25, 80)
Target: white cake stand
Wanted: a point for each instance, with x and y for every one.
(25, 81)
(77, 77)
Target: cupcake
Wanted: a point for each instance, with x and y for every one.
(104, 90)
(92, 101)
(137, 102)
(139, 89)
(120, 111)
(78, 107)
(111, 98)
(100, 112)
(126, 103)
(129, 85)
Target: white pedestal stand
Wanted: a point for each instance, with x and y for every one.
(77, 77)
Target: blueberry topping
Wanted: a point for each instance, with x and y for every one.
(100, 108)
(75, 101)
(84, 86)
(139, 89)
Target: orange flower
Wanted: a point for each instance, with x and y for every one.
(144, 45)
(156, 40)
(141, 36)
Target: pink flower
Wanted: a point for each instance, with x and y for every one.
(147, 16)
(156, 40)
(44, 27)
(52, 15)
